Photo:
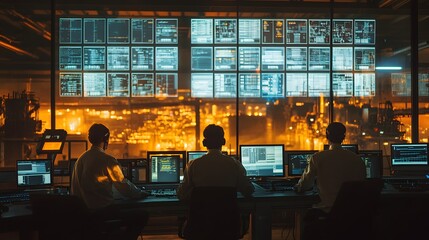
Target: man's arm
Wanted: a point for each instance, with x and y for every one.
(123, 185)
(244, 186)
(185, 188)
(306, 181)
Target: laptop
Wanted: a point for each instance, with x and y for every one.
(34, 175)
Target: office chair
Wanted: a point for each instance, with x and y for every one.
(352, 214)
(63, 217)
(66, 217)
(213, 214)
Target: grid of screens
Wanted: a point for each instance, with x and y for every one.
(351, 147)
(118, 57)
(373, 160)
(256, 58)
(276, 58)
(164, 169)
(297, 161)
(34, 173)
(263, 160)
(409, 154)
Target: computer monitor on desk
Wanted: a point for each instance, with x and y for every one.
(34, 174)
(298, 161)
(351, 147)
(181, 154)
(191, 155)
(409, 159)
(373, 160)
(262, 161)
(164, 169)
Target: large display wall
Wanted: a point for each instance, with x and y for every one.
(263, 58)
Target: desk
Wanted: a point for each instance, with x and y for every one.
(260, 207)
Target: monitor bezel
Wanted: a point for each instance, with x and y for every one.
(265, 145)
(149, 168)
(290, 152)
(37, 186)
(61, 135)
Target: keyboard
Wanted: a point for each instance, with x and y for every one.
(13, 197)
(409, 184)
(161, 190)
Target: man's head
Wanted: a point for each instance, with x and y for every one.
(98, 133)
(336, 132)
(213, 137)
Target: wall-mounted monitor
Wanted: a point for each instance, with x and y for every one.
(94, 84)
(202, 31)
(118, 58)
(142, 30)
(296, 59)
(249, 85)
(166, 31)
(94, 58)
(118, 84)
(319, 59)
(273, 58)
(319, 31)
(364, 31)
(342, 84)
(364, 84)
(296, 84)
(70, 58)
(142, 85)
(272, 85)
(225, 58)
(202, 85)
(142, 58)
(70, 84)
(51, 142)
(263, 160)
(272, 31)
(318, 84)
(70, 31)
(249, 31)
(342, 58)
(167, 58)
(342, 31)
(201, 58)
(166, 85)
(225, 85)
(365, 58)
(94, 30)
(296, 31)
(118, 30)
(225, 31)
(249, 58)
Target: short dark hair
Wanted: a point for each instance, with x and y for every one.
(98, 133)
(336, 132)
(213, 136)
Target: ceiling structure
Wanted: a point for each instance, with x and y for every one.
(26, 31)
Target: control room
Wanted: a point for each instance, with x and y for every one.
(157, 78)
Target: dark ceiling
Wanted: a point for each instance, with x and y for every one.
(25, 29)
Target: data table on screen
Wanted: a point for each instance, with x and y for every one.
(118, 85)
(142, 58)
(70, 58)
(249, 85)
(318, 84)
(94, 58)
(142, 85)
(272, 31)
(342, 84)
(202, 85)
(296, 85)
(225, 85)
(296, 58)
(225, 30)
(201, 31)
(342, 31)
(70, 31)
(70, 84)
(142, 30)
(94, 84)
(94, 30)
(272, 85)
(296, 31)
(273, 58)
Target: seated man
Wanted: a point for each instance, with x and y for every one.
(332, 168)
(98, 175)
(215, 170)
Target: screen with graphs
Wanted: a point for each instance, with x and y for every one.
(217, 58)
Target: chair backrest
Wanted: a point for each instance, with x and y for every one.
(213, 214)
(66, 215)
(351, 216)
